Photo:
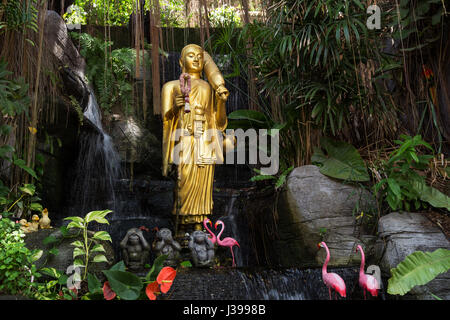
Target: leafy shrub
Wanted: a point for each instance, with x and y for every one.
(402, 185)
(16, 268)
(109, 72)
(86, 248)
(224, 16)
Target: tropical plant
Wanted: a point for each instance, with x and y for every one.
(16, 269)
(172, 13)
(89, 245)
(108, 71)
(26, 203)
(279, 180)
(18, 15)
(319, 70)
(223, 16)
(99, 12)
(419, 29)
(341, 161)
(125, 285)
(416, 269)
(402, 185)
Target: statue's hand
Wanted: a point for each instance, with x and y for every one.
(179, 101)
(222, 93)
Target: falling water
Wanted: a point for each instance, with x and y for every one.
(97, 167)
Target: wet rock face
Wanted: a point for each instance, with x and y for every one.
(315, 207)
(66, 55)
(401, 234)
(136, 144)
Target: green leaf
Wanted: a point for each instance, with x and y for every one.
(75, 224)
(98, 248)
(78, 263)
(156, 268)
(98, 216)
(78, 243)
(53, 251)
(250, 115)
(186, 264)
(125, 284)
(36, 255)
(119, 266)
(36, 207)
(262, 177)
(342, 161)
(102, 235)
(49, 240)
(100, 258)
(52, 272)
(431, 195)
(94, 285)
(418, 268)
(78, 252)
(28, 189)
(395, 188)
(21, 164)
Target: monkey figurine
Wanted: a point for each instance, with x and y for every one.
(202, 249)
(135, 249)
(165, 244)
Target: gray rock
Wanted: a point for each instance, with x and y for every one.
(67, 57)
(315, 207)
(64, 258)
(403, 233)
(134, 143)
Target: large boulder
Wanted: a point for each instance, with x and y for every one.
(317, 208)
(64, 257)
(67, 57)
(136, 144)
(402, 233)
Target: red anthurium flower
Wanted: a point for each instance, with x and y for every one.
(108, 293)
(165, 278)
(151, 289)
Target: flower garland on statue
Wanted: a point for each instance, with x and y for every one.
(185, 87)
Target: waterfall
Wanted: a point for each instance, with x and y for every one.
(97, 166)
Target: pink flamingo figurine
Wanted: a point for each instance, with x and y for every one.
(366, 282)
(227, 242)
(331, 280)
(213, 236)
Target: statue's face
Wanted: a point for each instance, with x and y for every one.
(193, 60)
(134, 239)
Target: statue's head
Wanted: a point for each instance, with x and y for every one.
(199, 236)
(191, 59)
(134, 239)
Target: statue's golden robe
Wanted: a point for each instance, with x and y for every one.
(198, 156)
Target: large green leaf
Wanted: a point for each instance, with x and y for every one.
(98, 216)
(156, 268)
(418, 268)
(250, 115)
(431, 195)
(341, 161)
(127, 285)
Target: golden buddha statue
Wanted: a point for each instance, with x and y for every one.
(193, 140)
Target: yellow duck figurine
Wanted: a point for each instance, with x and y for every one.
(44, 222)
(34, 225)
(25, 226)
